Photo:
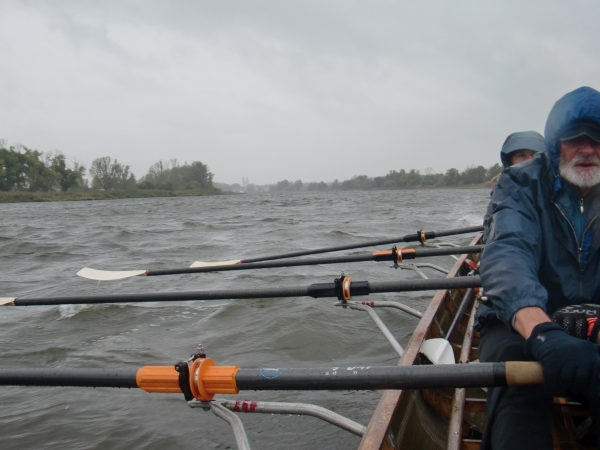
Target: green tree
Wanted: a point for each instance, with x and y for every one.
(67, 178)
(39, 176)
(452, 177)
(12, 169)
(111, 174)
(474, 175)
(413, 178)
(172, 176)
(317, 186)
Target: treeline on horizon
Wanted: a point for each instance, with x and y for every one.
(472, 175)
(25, 169)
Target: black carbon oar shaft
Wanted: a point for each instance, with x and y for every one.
(317, 290)
(372, 378)
(417, 253)
(296, 379)
(117, 378)
(416, 237)
(422, 285)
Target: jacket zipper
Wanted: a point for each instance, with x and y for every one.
(579, 246)
(574, 234)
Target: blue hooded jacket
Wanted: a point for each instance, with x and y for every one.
(542, 248)
(522, 140)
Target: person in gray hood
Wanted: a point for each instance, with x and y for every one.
(542, 255)
(517, 148)
(520, 147)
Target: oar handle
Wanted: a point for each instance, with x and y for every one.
(523, 372)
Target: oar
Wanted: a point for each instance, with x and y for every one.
(204, 379)
(419, 236)
(342, 288)
(396, 255)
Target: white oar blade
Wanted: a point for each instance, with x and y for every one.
(438, 351)
(7, 301)
(216, 263)
(108, 275)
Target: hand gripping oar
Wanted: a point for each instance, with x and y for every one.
(342, 288)
(419, 236)
(396, 255)
(203, 379)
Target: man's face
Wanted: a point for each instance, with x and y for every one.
(521, 156)
(579, 162)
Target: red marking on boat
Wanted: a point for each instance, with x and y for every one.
(147, 273)
(246, 406)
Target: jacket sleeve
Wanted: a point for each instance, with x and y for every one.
(513, 251)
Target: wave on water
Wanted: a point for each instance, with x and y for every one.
(68, 311)
(345, 234)
(471, 219)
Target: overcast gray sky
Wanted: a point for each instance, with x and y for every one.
(311, 90)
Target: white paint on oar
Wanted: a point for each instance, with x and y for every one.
(216, 263)
(7, 301)
(438, 351)
(108, 275)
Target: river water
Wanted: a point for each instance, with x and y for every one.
(43, 245)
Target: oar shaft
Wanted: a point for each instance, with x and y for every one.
(166, 296)
(230, 379)
(416, 237)
(379, 287)
(376, 256)
(317, 290)
(372, 378)
(117, 378)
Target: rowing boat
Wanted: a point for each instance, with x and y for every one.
(454, 419)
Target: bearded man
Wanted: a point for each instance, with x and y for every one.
(542, 255)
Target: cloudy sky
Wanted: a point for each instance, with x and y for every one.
(272, 90)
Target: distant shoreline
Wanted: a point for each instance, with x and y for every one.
(42, 197)
(37, 197)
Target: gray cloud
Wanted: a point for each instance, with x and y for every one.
(297, 90)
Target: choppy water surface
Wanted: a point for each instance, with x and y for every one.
(42, 246)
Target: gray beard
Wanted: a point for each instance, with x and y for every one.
(587, 179)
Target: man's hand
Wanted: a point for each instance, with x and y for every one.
(569, 364)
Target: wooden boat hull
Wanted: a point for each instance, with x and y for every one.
(402, 418)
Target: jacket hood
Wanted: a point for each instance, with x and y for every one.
(579, 106)
(523, 140)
